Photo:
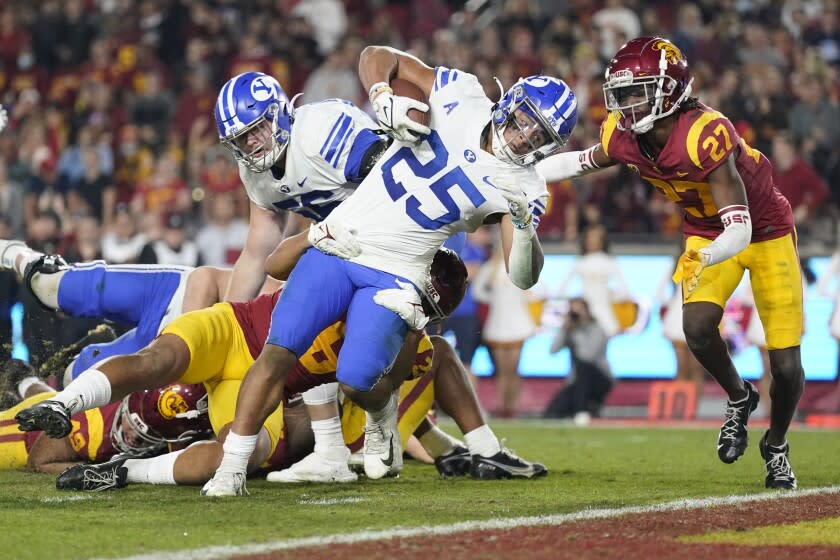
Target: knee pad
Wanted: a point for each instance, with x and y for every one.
(47, 264)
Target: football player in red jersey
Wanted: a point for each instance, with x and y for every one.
(735, 219)
(144, 424)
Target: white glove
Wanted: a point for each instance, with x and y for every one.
(334, 239)
(520, 213)
(392, 113)
(4, 118)
(405, 302)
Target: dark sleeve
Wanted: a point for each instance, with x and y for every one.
(147, 255)
(367, 148)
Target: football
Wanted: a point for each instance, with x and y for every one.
(404, 88)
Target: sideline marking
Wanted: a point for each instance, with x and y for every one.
(59, 499)
(330, 501)
(227, 551)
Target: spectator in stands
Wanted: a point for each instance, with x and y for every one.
(815, 121)
(602, 282)
(93, 193)
(164, 190)
(798, 181)
(87, 244)
(8, 295)
(122, 243)
(71, 164)
(11, 203)
(590, 379)
(174, 247)
(509, 324)
(222, 239)
(154, 107)
(335, 78)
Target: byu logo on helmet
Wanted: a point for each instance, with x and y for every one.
(254, 119)
(260, 90)
(533, 120)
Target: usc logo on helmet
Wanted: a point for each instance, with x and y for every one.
(672, 53)
(170, 404)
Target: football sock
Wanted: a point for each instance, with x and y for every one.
(378, 417)
(482, 441)
(156, 470)
(436, 442)
(238, 450)
(329, 441)
(26, 383)
(322, 394)
(91, 389)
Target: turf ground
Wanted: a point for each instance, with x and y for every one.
(590, 468)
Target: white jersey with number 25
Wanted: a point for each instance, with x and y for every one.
(417, 196)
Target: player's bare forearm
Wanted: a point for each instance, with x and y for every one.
(52, 456)
(726, 185)
(284, 258)
(246, 278)
(382, 64)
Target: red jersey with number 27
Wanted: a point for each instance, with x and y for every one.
(700, 142)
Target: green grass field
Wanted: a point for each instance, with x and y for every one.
(589, 468)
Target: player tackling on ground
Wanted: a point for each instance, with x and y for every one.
(734, 220)
(474, 165)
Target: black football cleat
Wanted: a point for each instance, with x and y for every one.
(50, 416)
(776, 461)
(94, 478)
(732, 440)
(504, 464)
(455, 463)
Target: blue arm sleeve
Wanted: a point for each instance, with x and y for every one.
(355, 159)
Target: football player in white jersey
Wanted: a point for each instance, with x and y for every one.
(305, 161)
(474, 166)
(300, 162)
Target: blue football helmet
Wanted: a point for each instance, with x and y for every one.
(254, 118)
(544, 112)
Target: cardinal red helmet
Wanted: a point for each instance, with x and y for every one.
(147, 421)
(647, 79)
(446, 285)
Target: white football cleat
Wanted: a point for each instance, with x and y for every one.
(314, 468)
(225, 484)
(383, 452)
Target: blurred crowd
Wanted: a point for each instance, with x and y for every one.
(111, 150)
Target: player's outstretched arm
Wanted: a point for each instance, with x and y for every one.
(52, 456)
(248, 274)
(568, 165)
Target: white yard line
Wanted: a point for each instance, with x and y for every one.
(227, 551)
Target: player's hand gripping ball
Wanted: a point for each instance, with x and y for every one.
(401, 109)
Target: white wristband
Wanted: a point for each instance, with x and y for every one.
(378, 88)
